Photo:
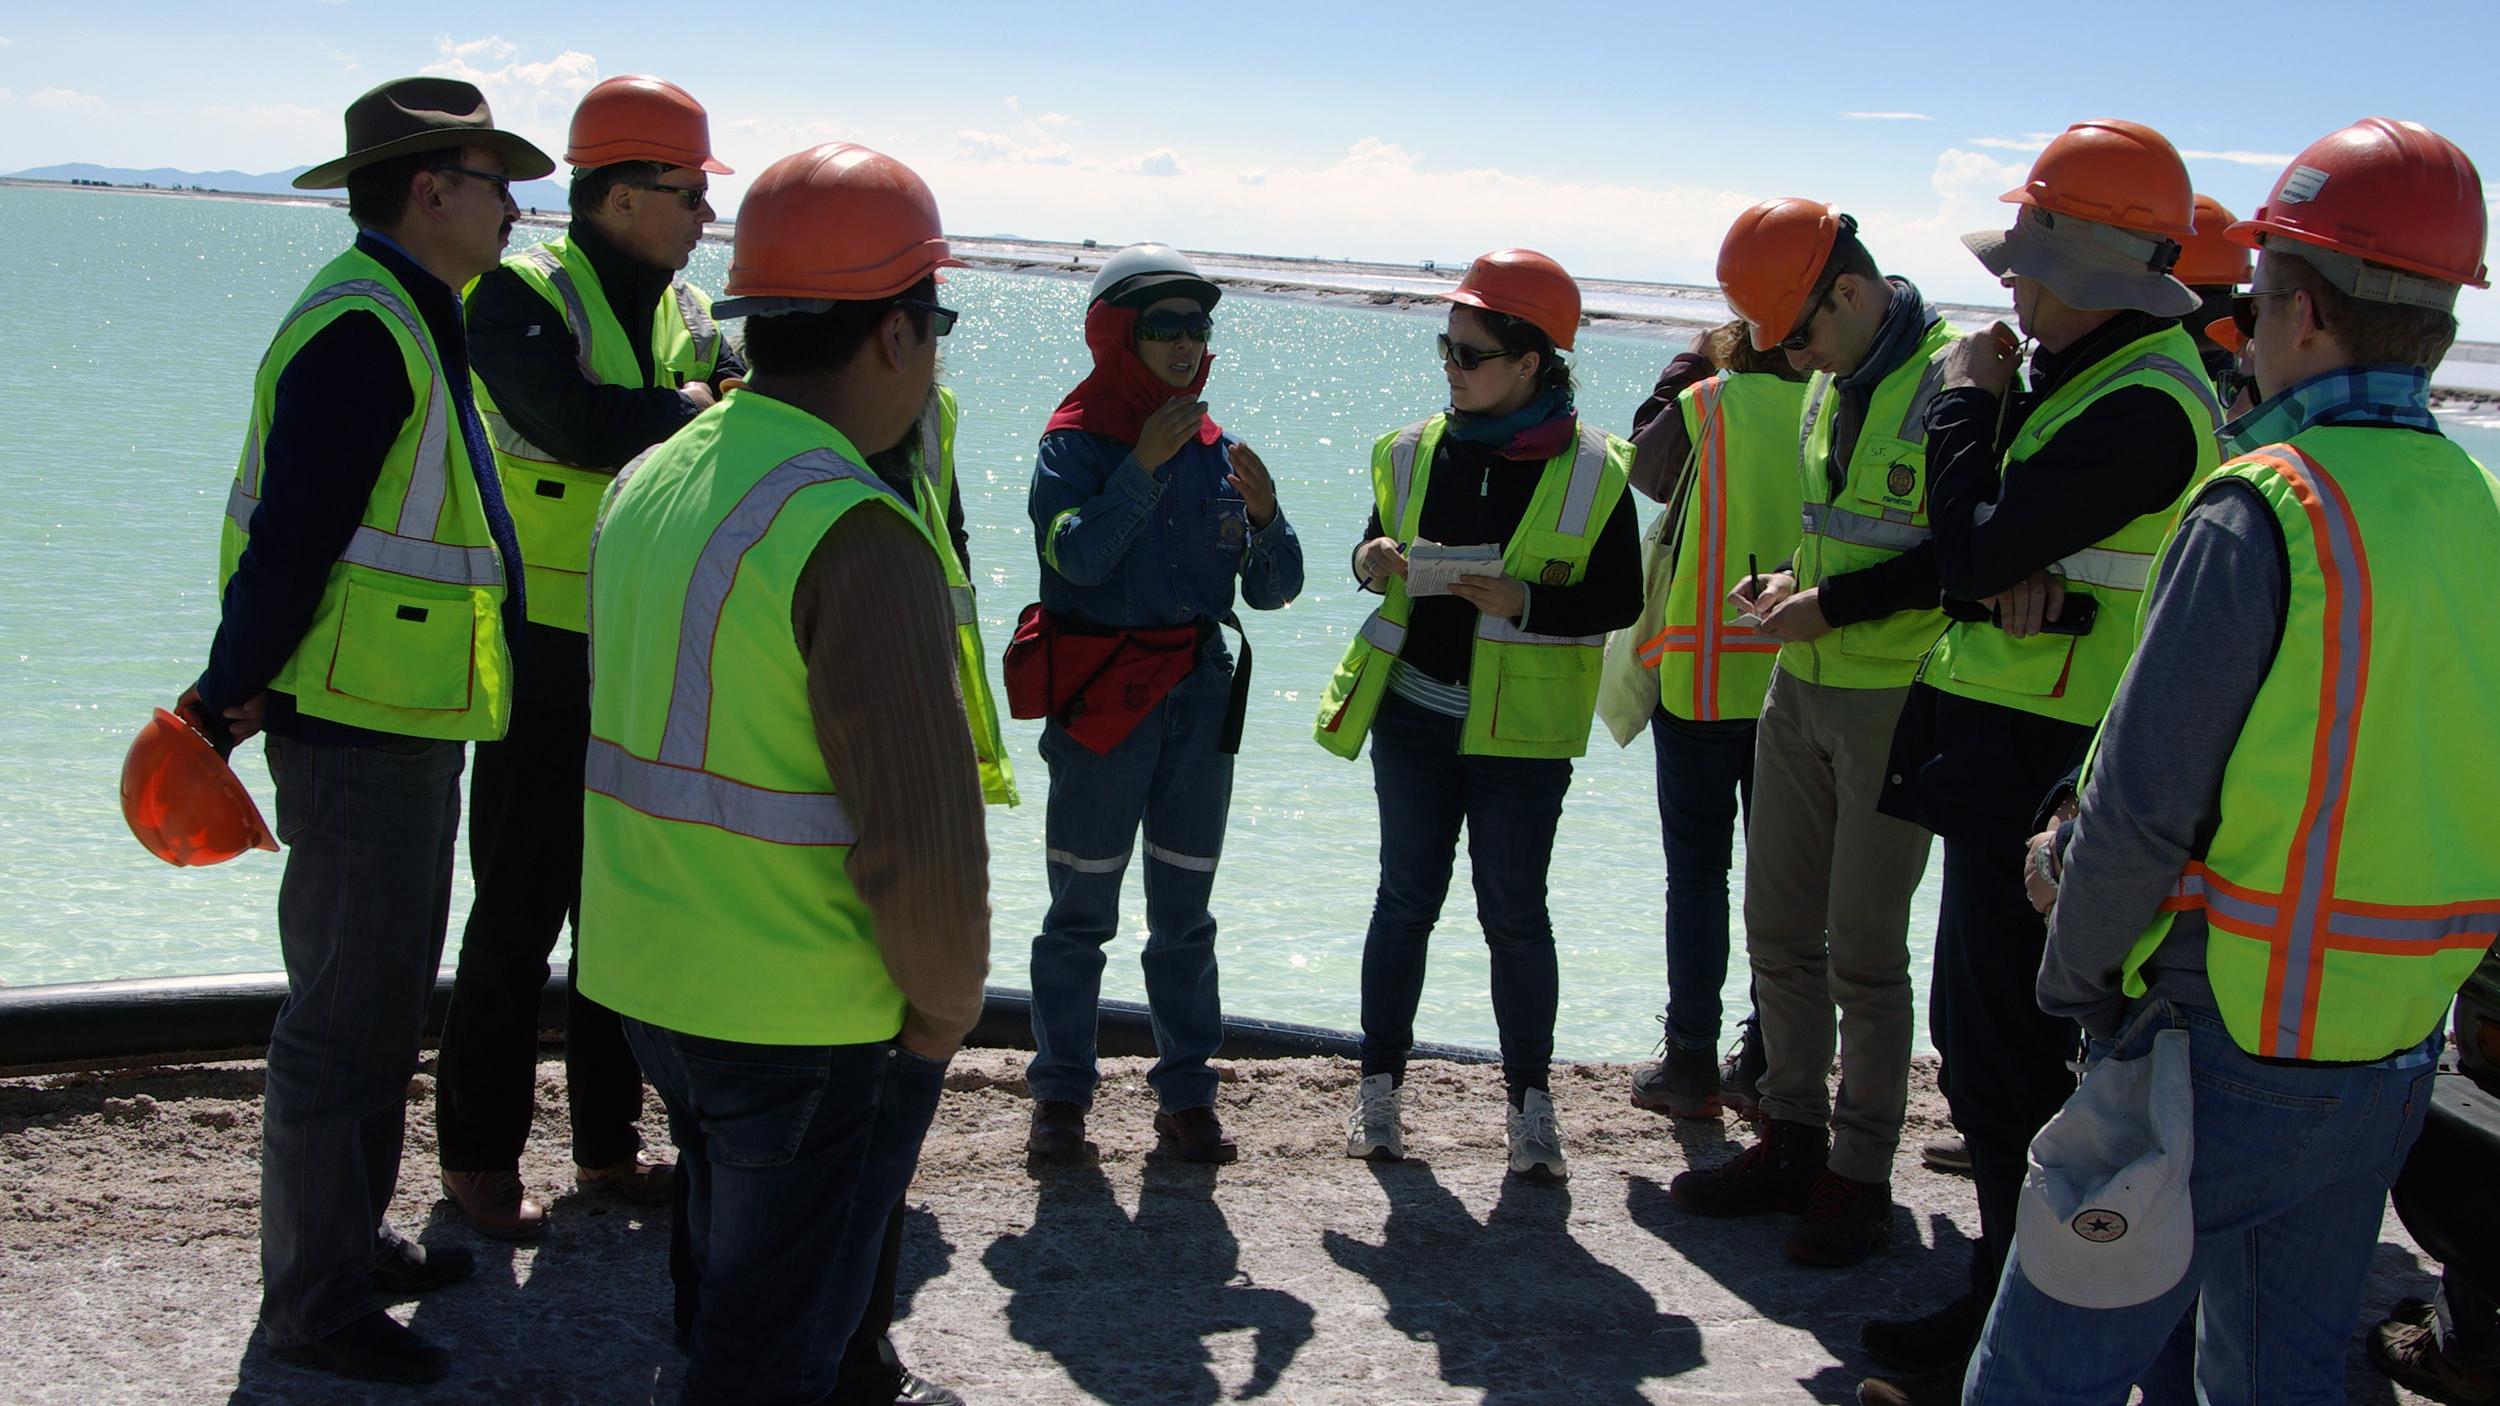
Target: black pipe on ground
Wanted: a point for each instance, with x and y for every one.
(168, 1018)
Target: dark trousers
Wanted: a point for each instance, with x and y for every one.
(2004, 1072)
(872, 1372)
(361, 912)
(1705, 784)
(525, 851)
(1510, 807)
(795, 1157)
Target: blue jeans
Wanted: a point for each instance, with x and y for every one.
(362, 909)
(1705, 782)
(1168, 776)
(2292, 1169)
(1510, 806)
(794, 1157)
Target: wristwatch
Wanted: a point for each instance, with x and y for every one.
(2044, 863)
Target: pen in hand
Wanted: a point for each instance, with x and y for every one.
(1753, 575)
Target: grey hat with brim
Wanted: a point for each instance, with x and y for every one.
(2090, 266)
(410, 115)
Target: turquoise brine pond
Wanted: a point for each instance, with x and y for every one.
(127, 374)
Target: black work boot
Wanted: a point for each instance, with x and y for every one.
(1740, 1075)
(1930, 1341)
(1846, 1220)
(1058, 1130)
(1775, 1174)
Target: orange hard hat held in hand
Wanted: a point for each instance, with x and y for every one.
(1773, 260)
(1525, 284)
(183, 802)
(635, 117)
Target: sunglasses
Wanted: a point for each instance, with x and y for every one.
(941, 320)
(1169, 326)
(502, 185)
(1467, 358)
(2244, 307)
(692, 197)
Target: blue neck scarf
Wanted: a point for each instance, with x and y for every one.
(1502, 429)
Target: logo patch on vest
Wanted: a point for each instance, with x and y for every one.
(1229, 528)
(1900, 480)
(2099, 1226)
(1556, 573)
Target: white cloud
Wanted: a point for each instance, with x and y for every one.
(998, 146)
(1254, 178)
(2028, 141)
(1162, 161)
(346, 61)
(2271, 159)
(7, 96)
(1055, 119)
(1887, 117)
(64, 100)
(528, 97)
(291, 119)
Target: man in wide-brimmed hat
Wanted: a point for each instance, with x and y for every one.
(2048, 502)
(372, 598)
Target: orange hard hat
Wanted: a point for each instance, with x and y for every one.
(2393, 193)
(2211, 258)
(2225, 333)
(2113, 172)
(1772, 259)
(1523, 284)
(635, 117)
(834, 223)
(181, 799)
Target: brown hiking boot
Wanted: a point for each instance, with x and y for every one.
(1775, 1174)
(1058, 1129)
(1193, 1135)
(1846, 1220)
(495, 1204)
(637, 1179)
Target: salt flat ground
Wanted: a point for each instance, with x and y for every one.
(128, 1217)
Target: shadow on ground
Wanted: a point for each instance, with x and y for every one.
(1126, 1304)
(1514, 1305)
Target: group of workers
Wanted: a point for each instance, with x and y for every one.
(704, 606)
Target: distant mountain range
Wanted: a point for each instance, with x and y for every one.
(542, 195)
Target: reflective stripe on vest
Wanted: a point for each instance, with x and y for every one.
(2132, 571)
(675, 786)
(2305, 923)
(412, 551)
(1383, 633)
(1865, 530)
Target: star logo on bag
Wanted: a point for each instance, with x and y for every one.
(2099, 1226)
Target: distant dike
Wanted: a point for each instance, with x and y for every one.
(543, 202)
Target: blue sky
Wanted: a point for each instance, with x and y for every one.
(1620, 138)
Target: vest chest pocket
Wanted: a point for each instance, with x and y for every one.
(1545, 558)
(1895, 492)
(1544, 693)
(405, 649)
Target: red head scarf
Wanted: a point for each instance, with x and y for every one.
(1122, 391)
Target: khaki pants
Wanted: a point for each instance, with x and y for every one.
(1827, 915)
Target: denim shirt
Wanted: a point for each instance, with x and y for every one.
(1127, 548)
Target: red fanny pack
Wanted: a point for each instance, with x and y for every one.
(1101, 683)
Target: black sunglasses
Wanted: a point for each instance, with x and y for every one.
(1170, 326)
(2244, 307)
(502, 184)
(1796, 341)
(1467, 358)
(941, 320)
(692, 197)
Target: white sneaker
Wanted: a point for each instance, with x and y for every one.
(1535, 1143)
(1371, 1130)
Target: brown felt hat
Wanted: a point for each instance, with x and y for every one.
(408, 115)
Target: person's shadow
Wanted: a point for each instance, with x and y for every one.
(1126, 1305)
(1514, 1305)
(1743, 1255)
